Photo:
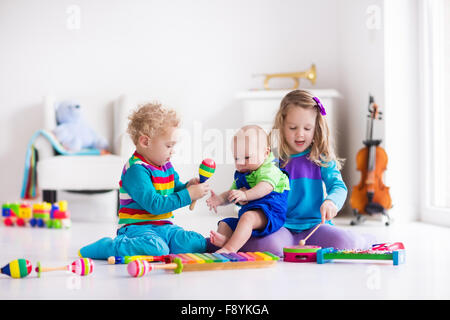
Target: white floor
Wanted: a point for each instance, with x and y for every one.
(424, 276)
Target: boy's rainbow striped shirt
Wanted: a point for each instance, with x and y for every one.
(163, 180)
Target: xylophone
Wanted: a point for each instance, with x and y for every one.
(19, 268)
(205, 171)
(202, 261)
(394, 252)
(82, 267)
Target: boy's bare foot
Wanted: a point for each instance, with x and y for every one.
(217, 238)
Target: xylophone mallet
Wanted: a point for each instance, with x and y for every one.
(128, 259)
(303, 241)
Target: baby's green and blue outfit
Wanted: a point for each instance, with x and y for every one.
(274, 204)
(148, 195)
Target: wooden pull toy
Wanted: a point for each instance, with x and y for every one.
(82, 267)
(19, 268)
(205, 171)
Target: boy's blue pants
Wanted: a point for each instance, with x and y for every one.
(152, 240)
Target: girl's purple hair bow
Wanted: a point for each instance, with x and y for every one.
(320, 105)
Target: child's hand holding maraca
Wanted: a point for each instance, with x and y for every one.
(192, 182)
(198, 191)
(205, 171)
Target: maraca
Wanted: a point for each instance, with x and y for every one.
(139, 268)
(82, 267)
(18, 268)
(205, 171)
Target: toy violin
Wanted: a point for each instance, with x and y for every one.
(371, 196)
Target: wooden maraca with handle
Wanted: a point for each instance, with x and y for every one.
(205, 171)
(82, 267)
(19, 268)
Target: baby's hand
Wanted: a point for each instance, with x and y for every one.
(214, 201)
(328, 210)
(198, 191)
(192, 182)
(243, 202)
(236, 196)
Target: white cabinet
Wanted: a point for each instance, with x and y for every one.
(260, 106)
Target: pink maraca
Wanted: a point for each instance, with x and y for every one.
(81, 267)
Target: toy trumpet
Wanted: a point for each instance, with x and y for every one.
(205, 171)
(82, 267)
(19, 268)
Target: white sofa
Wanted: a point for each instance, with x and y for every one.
(86, 174)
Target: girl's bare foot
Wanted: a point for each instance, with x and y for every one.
(217, 238)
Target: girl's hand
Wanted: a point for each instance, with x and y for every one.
(237, 196)
(214, 201)
(192, 182)
(328, 210)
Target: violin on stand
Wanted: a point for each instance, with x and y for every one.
(371, 196)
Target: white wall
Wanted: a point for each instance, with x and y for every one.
(360, 73)
(402, 92)
(192, 55)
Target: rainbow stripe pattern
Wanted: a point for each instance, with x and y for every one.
(19, 268)
(163, 179)
(82, 266)
(139, 268)
(206, 169)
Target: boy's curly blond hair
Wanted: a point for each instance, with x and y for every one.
(151, 119)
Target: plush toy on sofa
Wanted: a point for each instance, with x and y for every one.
(73, 131)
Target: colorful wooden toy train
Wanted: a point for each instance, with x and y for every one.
(38, 215)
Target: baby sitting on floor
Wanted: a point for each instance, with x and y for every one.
(259, 186)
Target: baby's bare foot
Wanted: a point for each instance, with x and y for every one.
(225, 250)
(217, 239)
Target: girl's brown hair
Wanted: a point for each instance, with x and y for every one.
(322, 150)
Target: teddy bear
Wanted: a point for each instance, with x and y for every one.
(73, 131)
